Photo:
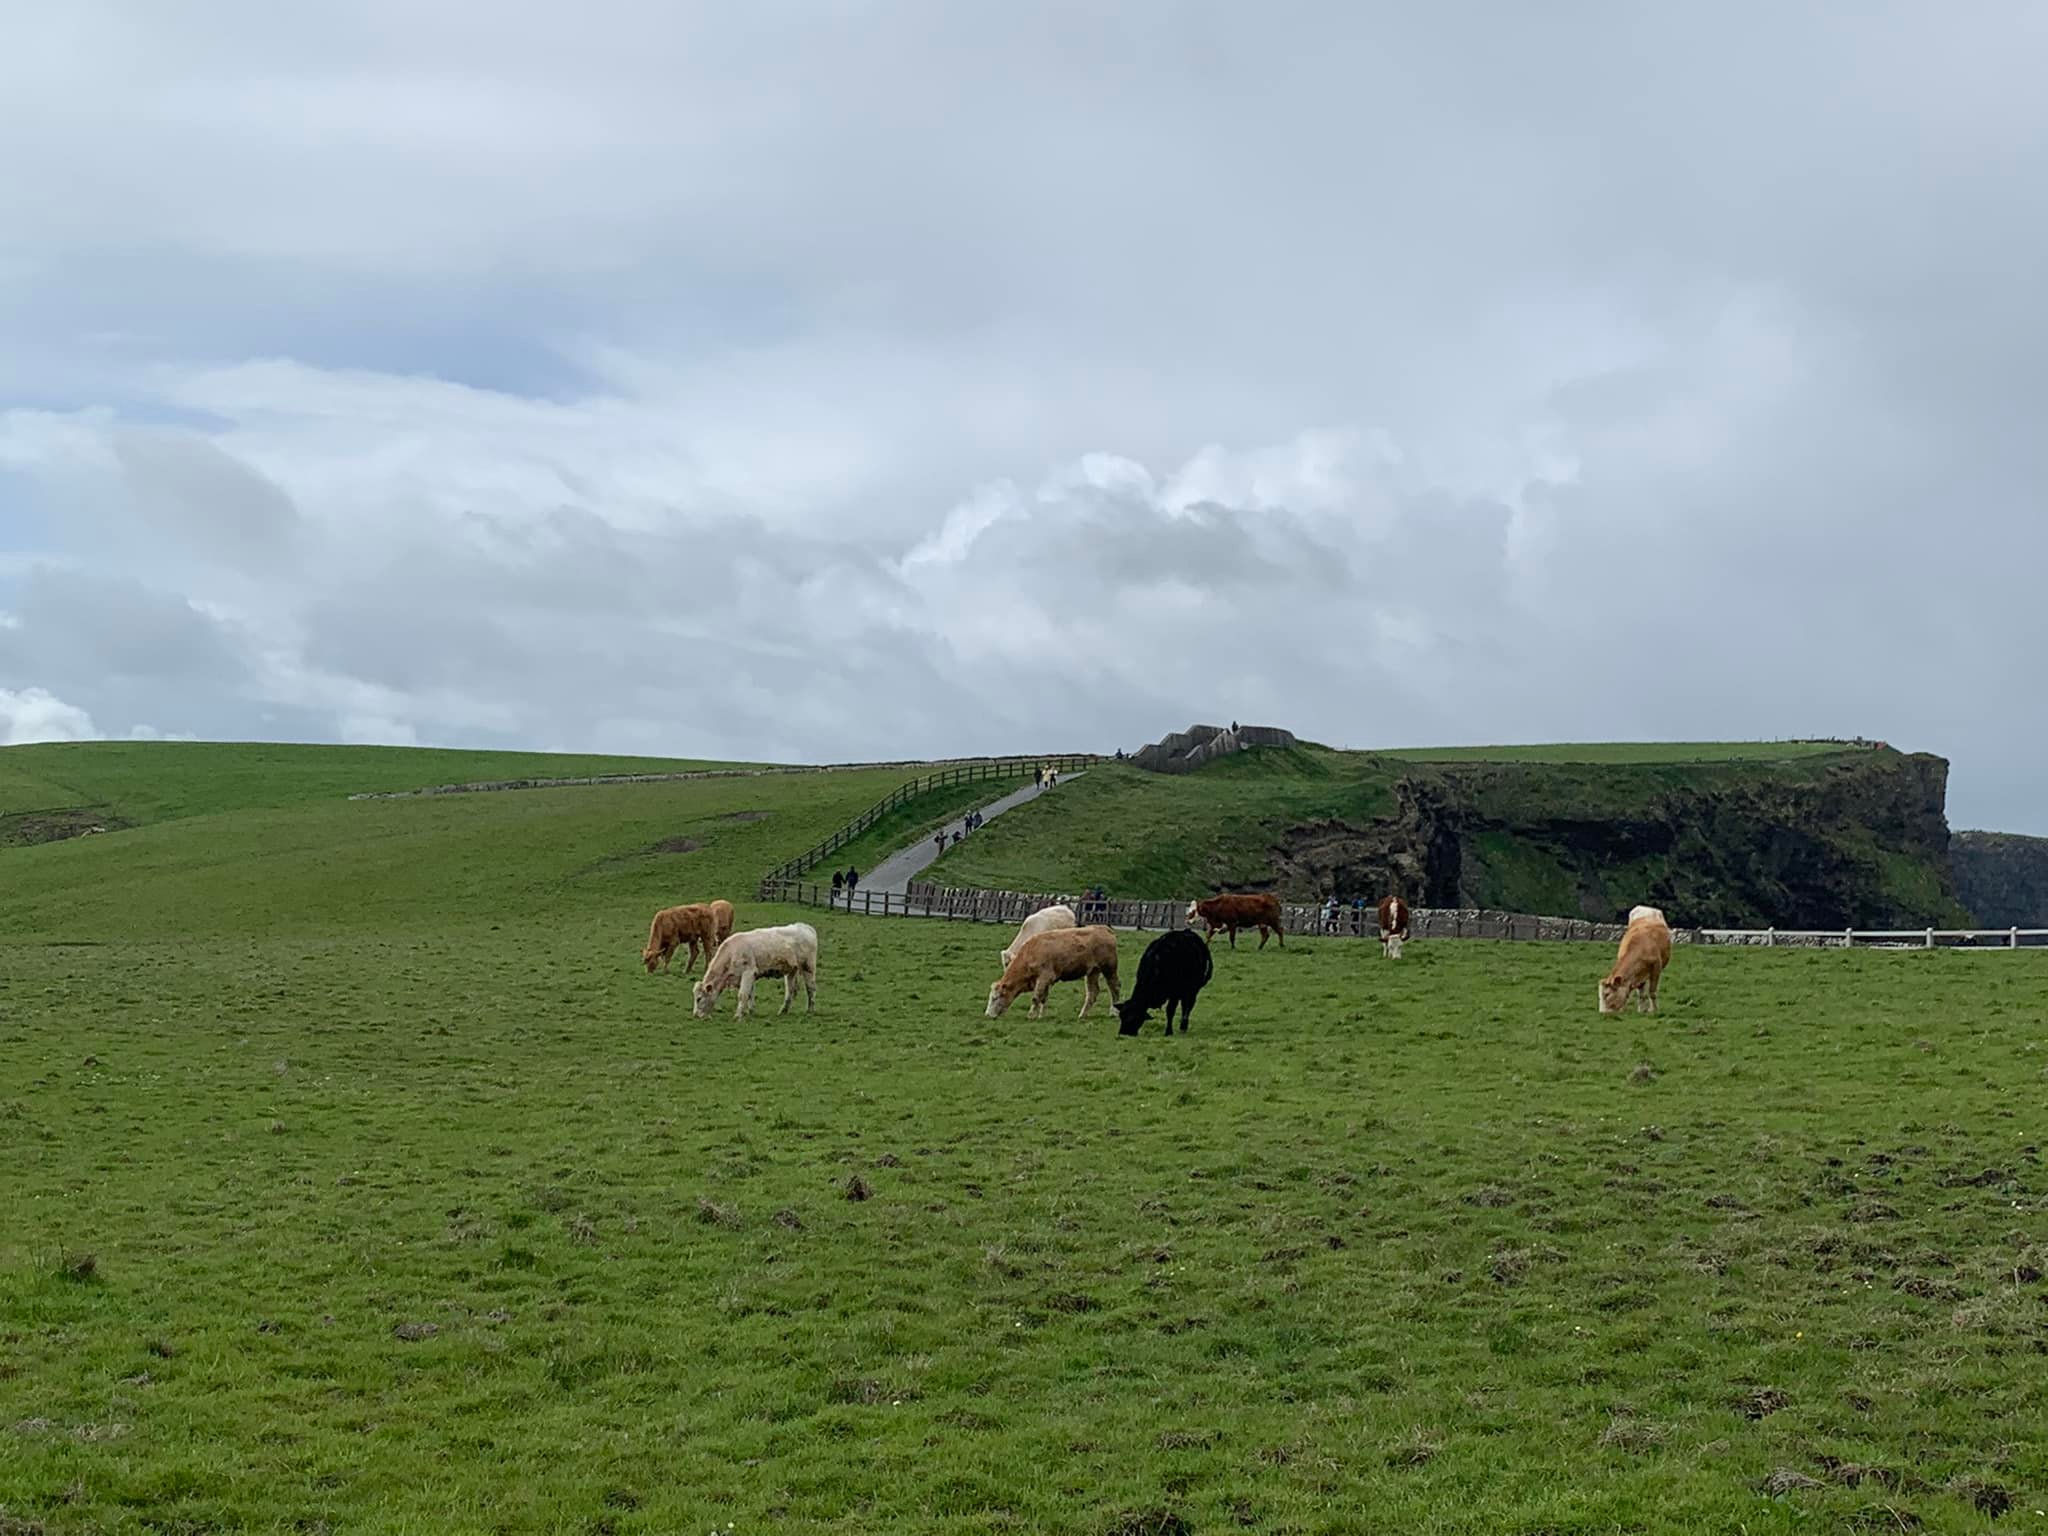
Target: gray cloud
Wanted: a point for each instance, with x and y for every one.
(876, 378)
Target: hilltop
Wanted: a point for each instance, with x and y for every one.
(1800, 834)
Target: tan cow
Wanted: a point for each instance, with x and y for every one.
(1234, 912)
(1044, 920)
(1063, 954)
(1639, 964)
(721, 920)
(1393, 926)
(694, 925)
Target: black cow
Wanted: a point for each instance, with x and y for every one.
(1175, 968)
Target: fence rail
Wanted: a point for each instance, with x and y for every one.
(952, 904)
(989, 769)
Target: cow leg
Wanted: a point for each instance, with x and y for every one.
(810, 990)
(788, 993)
(1280, 934)
(1187, 1012)
(1652, 990)
(1233, 936)
(1038, 999)
(1116, 992)
(746, 1000)
(1094, 990)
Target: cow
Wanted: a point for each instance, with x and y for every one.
(1062, 954)
(721, 919)
(1233, 912)
(1639, 964)
(695, 925)
(790, 952)
(1175, 968)
(1044, 920)
(1394, 916)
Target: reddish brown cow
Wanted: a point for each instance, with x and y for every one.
(675, 927)
(721, 921)
(1233, 912)
(1393, 926)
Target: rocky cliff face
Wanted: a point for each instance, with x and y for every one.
(1859, 840)
(2002, 877)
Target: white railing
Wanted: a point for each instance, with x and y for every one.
(959, 904)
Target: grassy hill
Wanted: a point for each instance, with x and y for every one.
(357, 1178)
(1798, 835)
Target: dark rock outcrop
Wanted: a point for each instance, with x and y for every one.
(1858, 841)
(2002, 877)
(1185, 751)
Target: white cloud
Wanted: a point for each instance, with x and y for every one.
(34, 714)
(929, 378)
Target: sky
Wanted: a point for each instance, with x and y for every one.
(846, 381)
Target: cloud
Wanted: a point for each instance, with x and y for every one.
(34, 714)
(926, 378)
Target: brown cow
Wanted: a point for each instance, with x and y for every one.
(1231, 913)
(1639, 964)
(675, 927)
(721, 920)
(1060, 954)
(1393, 926)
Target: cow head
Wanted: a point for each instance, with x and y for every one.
(1390, 945)
(1612, 995)
(651, 957)
(1130, 1016)
(996, 1001)
(1194, 910)
(701, 998)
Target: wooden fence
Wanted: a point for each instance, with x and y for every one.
(989, 769)
(950, 904)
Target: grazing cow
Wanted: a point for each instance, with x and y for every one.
(1639, 965)
(790, 952)
(1393, 926)
(1062, 954)
(1175, 968)
(674, 927)
(721, 918)
(1044, 920)
(1231, 913)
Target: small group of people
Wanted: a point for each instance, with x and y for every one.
(1048, 777)
(970, 823)
(1334, 910)
(845, 882)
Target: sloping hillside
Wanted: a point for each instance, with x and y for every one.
(220, 839)
(1800, 835)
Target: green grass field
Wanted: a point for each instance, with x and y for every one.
(357, 1179)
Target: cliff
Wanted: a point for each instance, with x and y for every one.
(2002, 877)
(1798, 835)
(1858, 840)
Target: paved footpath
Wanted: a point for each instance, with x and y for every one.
(894, 874)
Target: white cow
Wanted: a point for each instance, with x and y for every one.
(790, 952)
(1044, 920)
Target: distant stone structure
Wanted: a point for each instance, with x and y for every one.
(1185, 751)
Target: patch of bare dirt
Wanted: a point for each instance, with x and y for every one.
(26, 829)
